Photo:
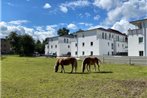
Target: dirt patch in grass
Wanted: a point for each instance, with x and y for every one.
(110, 89)
(134, 88)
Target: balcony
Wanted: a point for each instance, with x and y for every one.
(135, 32)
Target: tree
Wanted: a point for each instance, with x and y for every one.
(15, 41)
(28, 45)
(63, 31)
(39, 47)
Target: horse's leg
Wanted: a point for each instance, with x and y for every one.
(72, 68)
(62, 69)
(89, 68)
(95, 67)
(98, 67)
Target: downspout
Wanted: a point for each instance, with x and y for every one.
(145, 46)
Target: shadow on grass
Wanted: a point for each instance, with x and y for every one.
(103, 72)
(76, 73)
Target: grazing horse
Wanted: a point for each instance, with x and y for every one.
(66, 61)
(90, 61)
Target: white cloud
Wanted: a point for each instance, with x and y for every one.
(85, 24)
(123, 26)
(127, 10)
(47, 6)
(97, 26)
(18, 22)
(79, 3)
(63, 9)
(96, 17)
(38, 32)
(106, 4)
(71, 26)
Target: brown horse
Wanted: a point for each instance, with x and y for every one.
(90, 61)
(66, 61)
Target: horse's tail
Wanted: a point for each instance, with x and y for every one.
(83, 66)
(100, 61)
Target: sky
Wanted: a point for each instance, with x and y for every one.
(42, 18)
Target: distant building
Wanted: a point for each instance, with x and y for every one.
(60, 45)
(5, 46)
(91, 42)
(137, 38)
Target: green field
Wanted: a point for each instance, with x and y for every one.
(27, 77)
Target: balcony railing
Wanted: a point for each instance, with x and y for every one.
(135, 32)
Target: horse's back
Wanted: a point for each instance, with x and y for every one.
(67, 60)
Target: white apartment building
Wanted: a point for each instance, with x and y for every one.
(98, 42)
(91, 42)
(60, 45)
(137, 38)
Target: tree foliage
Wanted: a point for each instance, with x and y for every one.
(22, 44)
(63, 31)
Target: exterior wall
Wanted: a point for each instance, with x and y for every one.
(46, 49)
(134, 46)
(133, 38)
(74, 48)
(121, 47)
(54, 47)
(105, 47)
(87, 38)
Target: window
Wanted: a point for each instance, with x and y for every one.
(140, 39)
(76, 53)
(48, 47)
(108, 53)
(55, 46)
(108, 43)
(140, 53)
(91, 53)
(112, 45)
(76, 44)
(51, 46)
(83, 35)
(103, 35)
(83, 44)
(83, 53)
(64, 40)
(67, 40)
(109, 36)
(118, 45)
(91, 43)
(122, 45)
(68, 46)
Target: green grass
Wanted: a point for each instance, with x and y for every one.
(26, 77)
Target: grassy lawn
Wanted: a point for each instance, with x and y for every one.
(26, 77)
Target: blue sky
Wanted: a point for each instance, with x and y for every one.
(42, 18)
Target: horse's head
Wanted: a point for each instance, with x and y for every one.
(56, 66)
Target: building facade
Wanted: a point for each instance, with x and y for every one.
(137, 38)
(91, 42)
(98, 42)
(5, 46)
(59, 46)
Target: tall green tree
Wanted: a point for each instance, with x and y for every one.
(63, 31)
(15, 41)
(39, 47)
(28, 45)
